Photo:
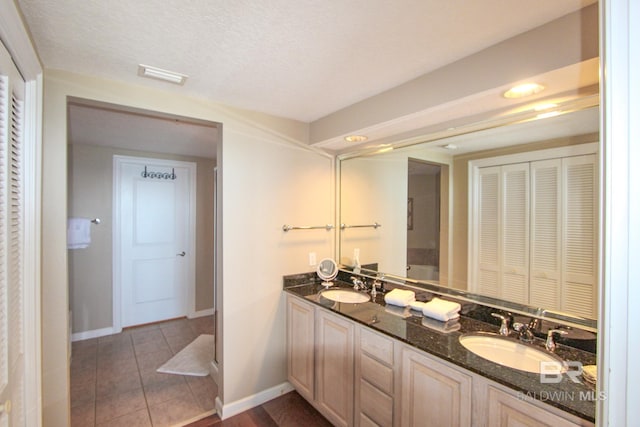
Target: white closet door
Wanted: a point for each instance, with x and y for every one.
(489, 234)
(579, 239)
(546, 223)
(515, 232)
(12, 366)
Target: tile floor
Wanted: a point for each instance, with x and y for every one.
(114, 380)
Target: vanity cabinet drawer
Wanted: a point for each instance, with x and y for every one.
(375, 404)
(377, 346)
(376, 373)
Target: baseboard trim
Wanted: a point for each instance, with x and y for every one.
(201, 313)
(239, 406)
(87, 335)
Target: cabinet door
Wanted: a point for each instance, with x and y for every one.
(546, 228)
(300, 346)
(433, 394)
(334, 368)
(508, 411)
(579, 240)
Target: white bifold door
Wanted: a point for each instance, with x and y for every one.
(155, 226)
(12, 332)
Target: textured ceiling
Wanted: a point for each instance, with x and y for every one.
(299, 59)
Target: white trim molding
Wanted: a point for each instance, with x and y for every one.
(15, 38)
(201, 313)
(618, 339)
(96, 333)
(229, 410)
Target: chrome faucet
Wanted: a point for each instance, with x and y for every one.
(524, 332)
(504, 326)
(551, 344)
(375, 285)
(358, 283)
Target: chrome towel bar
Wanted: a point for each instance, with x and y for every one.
(374, 225)
(287, 227)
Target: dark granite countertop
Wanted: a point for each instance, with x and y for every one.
(575, 398)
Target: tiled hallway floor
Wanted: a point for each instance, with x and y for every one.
(114, 380)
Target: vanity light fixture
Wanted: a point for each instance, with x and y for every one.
(160, 74)
(523, 90)
(355, 138)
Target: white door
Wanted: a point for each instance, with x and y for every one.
(155, 217)
(12, 333)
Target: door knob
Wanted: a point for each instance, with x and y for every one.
(183, 253)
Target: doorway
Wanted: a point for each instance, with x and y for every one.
(427, 196)
(96, 133)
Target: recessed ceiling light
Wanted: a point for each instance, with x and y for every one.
(450, 147)
(355, 138)
(160, 74)
(523, 90)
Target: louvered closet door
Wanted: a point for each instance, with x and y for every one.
(515, 232)
(489, 234)
(12, 375)
(579, 237)
(546, 223)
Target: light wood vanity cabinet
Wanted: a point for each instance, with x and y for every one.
(300, 346)
(433, 394)
(503, 409)
(334, 367)
(375, 380)
(356, 376)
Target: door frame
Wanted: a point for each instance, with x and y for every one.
(190, 297)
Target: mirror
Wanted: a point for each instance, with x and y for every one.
(327, 270)
(428, 200)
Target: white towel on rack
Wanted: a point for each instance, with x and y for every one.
(78, 233)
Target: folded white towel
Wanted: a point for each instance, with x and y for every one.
(442, 327)
(78, 233)
(417, 306)
(400, 297)
(440, 309)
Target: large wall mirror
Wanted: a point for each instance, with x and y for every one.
(507, 209)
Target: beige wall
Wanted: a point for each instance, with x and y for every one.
(90, 270)
(267, 177)
(461, 199)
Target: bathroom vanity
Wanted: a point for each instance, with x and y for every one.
(367, 364)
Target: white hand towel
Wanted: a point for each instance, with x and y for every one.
(400, 297)
(78, 233)
(417, 306)
(440, 309)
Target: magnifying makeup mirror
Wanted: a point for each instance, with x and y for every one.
(327, 270)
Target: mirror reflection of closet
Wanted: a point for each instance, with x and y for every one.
(427, 194)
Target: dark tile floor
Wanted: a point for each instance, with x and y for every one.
(288, 410)
(114, 380)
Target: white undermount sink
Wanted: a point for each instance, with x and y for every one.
(511, 353)
(345, 295)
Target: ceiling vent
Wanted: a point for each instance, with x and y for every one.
(160, 74)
